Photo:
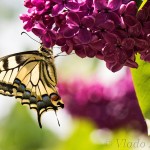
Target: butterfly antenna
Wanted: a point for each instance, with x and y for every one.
(30, 36)
(58, 54)
(57, 118)
(62, 55)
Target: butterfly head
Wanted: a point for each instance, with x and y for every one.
(46, 51)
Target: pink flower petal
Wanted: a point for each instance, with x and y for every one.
(88, 21)
(73, 18)
(84, 35)
(56, 9)
(114, 4)
(73, 6)
(114, 66)
(80, 52)
(89, 52)
(70, 32)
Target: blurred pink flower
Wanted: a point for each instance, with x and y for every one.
(109, 107)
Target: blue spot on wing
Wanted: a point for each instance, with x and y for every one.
(40, 105)
(21, 88)
(26, 94)
(17, 81)
(46, 100)
(33, 100)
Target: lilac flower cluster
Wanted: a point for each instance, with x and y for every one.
(109, 30)
(108, 107)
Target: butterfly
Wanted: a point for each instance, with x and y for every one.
(31, 77)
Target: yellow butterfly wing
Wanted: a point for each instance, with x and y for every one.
(9, 67)
(32, 80)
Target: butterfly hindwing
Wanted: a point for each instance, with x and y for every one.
(32, 86)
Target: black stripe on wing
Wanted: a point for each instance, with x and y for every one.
(17, 58)
(5, 64)
(6, 89)
(49, 74)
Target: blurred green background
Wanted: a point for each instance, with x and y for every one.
(19, 129)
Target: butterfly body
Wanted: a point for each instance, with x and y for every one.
(31, 77)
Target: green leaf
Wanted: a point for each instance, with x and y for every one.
(141, 79)
(141, 3)
(20, 132)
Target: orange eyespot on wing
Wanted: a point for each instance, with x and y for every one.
(54, 97)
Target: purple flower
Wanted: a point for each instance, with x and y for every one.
(64, 4)
(109, 30)
(108, 107)
(28, 22)
(89, 49)
(129, 21)
(118, 52)
(111, 5)
(106, 10)
(47, 36)
(87, 7)
(78, 25)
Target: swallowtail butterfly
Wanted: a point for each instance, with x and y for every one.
(31, 77)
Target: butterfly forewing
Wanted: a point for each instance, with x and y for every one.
(31, 78)
(9, 68)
